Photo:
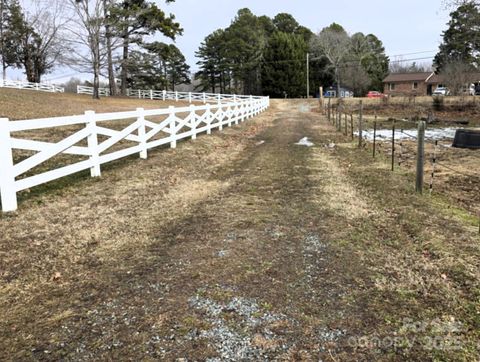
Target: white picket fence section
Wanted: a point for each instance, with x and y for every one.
(103, 92)
(144, 131)
(33, 86)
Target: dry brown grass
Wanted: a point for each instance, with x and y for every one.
(25, 104)
(326, 239)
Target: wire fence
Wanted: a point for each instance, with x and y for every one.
(453, 172)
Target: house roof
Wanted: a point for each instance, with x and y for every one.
(407, 77)
(436, 79)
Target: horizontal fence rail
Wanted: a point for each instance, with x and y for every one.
(95, 136)
(32, 86)
(103, 92)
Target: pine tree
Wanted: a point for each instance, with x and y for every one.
(214, 64)
(134, 19)
(284, 68)
(461, 41)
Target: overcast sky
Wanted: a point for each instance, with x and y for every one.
(406, 26)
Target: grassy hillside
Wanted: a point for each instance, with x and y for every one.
(18, 104)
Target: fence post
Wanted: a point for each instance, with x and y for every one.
(204, 98)
(393, 146)
(209, 118)
(236, 112)
(351, 125)
(176, 96)
(346, 124)
(420, 156)
(329, 112)
(151, 94)
(164, 95)
(173, 124)
(142, 133)
(189, 97)
(7, 180)
(374, 137)
(360, 126)
(92, 141)
(219, 105)
(139, 94)
(193, 121)
(434, 163)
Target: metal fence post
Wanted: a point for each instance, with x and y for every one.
(420, 157)
(374, 137)
(92, 141)
(142, 133)
(7, 180)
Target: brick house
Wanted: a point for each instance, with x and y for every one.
(419, 84)
(409, 84)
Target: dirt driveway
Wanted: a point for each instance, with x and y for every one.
(241, 246)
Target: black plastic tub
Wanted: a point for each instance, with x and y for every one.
(467, 139)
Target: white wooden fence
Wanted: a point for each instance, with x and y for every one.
(148, 129)
(33, 86)
(183, 96)
(168, 95)
(103, 92)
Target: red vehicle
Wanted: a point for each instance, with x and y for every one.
(375, 94)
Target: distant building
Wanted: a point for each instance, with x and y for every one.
(409, 84)
(331, 92)
(418, 84)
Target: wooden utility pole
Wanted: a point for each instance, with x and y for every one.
(420, 157)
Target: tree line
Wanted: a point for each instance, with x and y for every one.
(253, 55)
(260, 55)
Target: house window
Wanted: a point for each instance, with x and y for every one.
(415, 85)
(392, 86)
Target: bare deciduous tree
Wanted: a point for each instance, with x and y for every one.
(334, 44)
(355, 78)
(400, 65)
(86, 36)
(48, 21)
(457, 75)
